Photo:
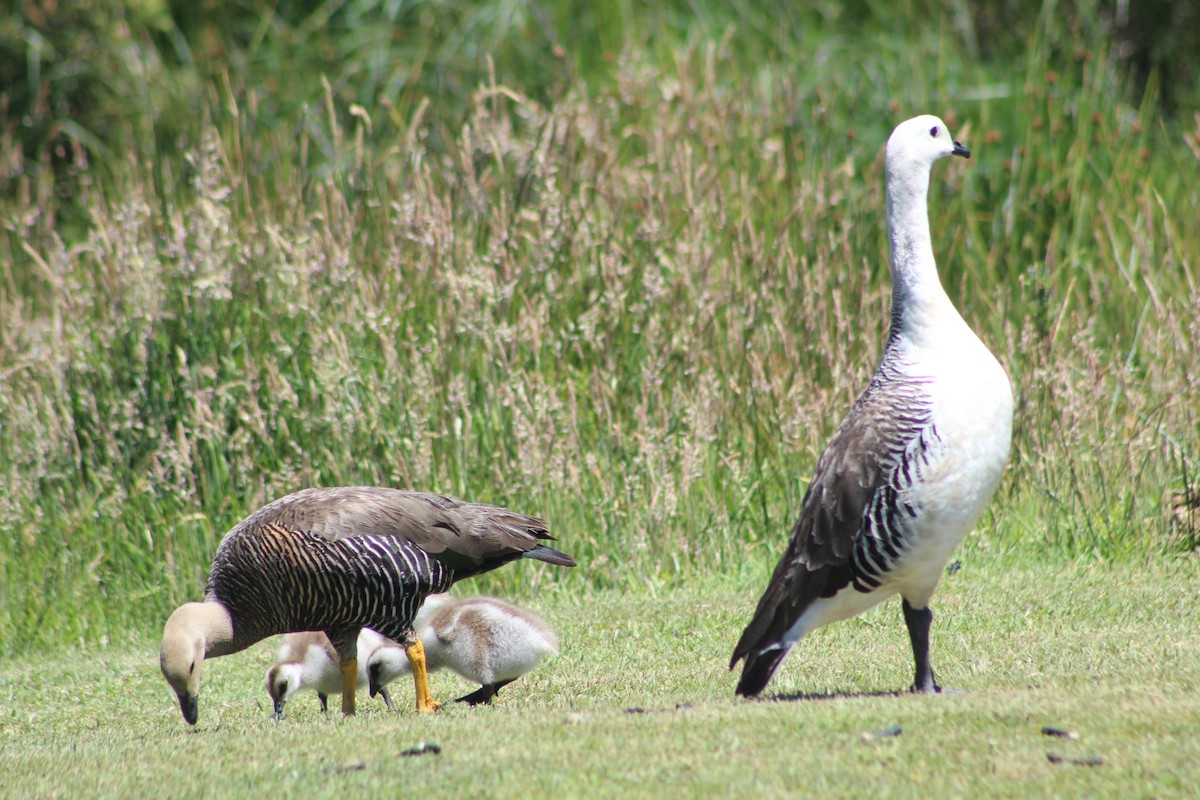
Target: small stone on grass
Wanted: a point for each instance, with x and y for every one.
(1079, 761)
(888, 732)
(422, 748)
(1061, 733)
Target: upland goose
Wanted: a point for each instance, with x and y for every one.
(307, 660)
(483, 639)
(911, 467)
(337, 560)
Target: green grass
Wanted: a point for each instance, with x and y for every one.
(1109, 652)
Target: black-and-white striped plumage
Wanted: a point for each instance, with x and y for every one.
(337, 560)
(282, 580)
(913, 464)
(905, 441)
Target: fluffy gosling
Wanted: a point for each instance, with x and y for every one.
(483, 639)
(307, 660)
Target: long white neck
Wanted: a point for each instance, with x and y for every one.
(917, 293)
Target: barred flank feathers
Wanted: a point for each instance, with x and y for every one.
(341, 558)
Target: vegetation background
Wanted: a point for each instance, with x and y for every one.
(622, 264)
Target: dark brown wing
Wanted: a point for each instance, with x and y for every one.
(817, 562)
(468, 535)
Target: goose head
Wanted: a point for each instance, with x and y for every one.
(917, 143)
(384, 665)
(284, 680)
(193, 632)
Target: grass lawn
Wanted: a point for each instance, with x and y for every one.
(639, 703)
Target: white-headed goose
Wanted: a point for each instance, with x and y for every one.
(913, 464)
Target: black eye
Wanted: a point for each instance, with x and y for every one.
(192, 668)
(933, 131)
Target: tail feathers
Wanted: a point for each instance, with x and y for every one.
(549, 555)
(758, 669)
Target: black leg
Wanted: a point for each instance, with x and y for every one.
(484, 694)
(481, 696)
(918, 621)
(324, 698)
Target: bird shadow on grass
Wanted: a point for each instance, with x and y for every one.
(794, 697)
(816, 696)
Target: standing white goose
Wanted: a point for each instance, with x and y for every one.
(913, 464)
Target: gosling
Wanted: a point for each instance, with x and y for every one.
(483, 639)
(307, 660)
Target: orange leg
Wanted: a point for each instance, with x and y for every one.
(416, 657)
(349, 685)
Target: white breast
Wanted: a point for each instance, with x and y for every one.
(971, 410)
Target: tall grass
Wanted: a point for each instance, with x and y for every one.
(633, 294)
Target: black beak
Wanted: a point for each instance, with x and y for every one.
(278, 710)
(960, 150)
(189, 704)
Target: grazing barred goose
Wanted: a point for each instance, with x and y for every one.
(307, 660)
(483, 639)
(913, 464)
(337, 560)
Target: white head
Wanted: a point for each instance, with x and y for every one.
(385, 664)
(917, 143)
(912, 150)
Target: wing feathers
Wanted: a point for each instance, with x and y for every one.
(468, 534)
(817, 562)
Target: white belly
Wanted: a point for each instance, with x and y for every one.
(972, 416)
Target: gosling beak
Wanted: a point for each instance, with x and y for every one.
(278, 709)
(189, 704)
(374, 686)
(960, 149)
